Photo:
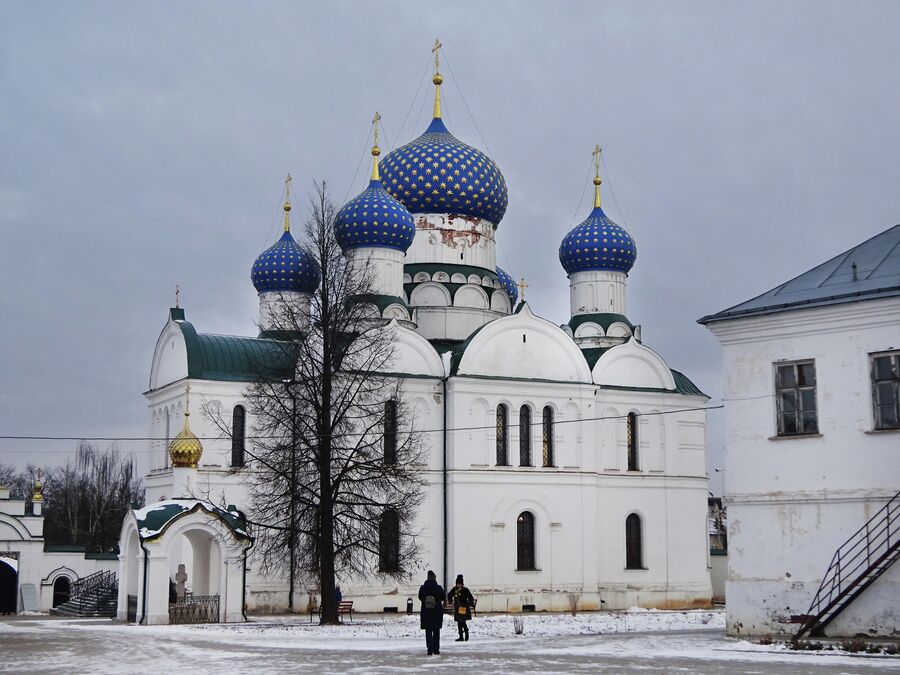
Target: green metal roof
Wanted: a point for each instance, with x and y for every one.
(605, 320)
(231, 358)
(154, 519)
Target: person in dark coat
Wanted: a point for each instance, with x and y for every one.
(431, 614)
(463, 603)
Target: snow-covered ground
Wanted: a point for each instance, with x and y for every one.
(655, 641)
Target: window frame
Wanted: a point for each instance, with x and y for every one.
(632, 442)
(799, 389)
(525, 442)
(238, 439)
(526, 548)
(389, 437)
(547, 440)
(389, 542)
(892, 382)
(633, 548)
(502, 435)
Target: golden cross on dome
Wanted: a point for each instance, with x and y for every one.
(437, 46)
(187, 399)
(375, 149)
(597, 151)
(177, 293)
(522, 286)
(287, 202)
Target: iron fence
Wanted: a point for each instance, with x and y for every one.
(195, 609)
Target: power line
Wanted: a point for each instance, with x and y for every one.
(25, 437)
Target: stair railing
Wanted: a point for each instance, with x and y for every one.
(863, 550)
(103, 580)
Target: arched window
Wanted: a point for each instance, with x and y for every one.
(631, 436)
(634, 544)
(238, 435)
(547, 435)
(502, 435)
(525, 541)
(62, 590)
(389, 542)
(524, 436)
(390, 432)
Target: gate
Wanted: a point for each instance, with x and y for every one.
(195, 609)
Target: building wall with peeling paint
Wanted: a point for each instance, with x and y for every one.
(792, 501)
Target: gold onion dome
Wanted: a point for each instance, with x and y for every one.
(185, 449)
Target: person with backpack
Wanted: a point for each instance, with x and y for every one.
(463, 603)
(431, 615)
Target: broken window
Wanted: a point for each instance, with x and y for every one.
(886, 390)
(795, 398)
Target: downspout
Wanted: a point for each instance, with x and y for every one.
(144, 603)
(244, 582)
(444, 435)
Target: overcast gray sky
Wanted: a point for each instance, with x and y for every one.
(146, 144)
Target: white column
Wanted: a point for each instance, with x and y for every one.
(283, 310)
(597, 292)
(382, 267)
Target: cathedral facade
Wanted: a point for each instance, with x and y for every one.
(565, 463)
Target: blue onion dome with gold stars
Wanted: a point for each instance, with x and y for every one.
(285, 266)
(374, 218)
(508, 285)
(597, 243)
(438, 173)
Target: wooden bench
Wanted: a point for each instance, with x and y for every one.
(344, 607)
(449, 607)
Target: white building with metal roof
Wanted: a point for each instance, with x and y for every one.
(812, 450)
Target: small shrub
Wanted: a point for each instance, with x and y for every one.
(854, 646)
(767, 640)
(574, 599)
(518, 625)
(873, 649)
(891, 650)
(806, 646)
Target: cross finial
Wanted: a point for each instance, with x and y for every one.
(597, 151)
(375, 149)
(596, 154)
(187, 399)
(287, 202)
(435, 49)
(177, 294)
(522, 286)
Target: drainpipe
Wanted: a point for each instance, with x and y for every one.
(244, 582)
(144, 603)
(444, 434)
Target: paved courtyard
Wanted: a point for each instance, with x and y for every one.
(376, 644)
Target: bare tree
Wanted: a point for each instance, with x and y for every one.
(86, 500)
(335, 463)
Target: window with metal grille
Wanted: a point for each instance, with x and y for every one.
(524, 436)
(634, 545)
(795, 398)
(547, 435)
(525, 541)
(502, 435)
(886, 390)
(631, 437)
(390, 432)
(238, 435)
(389, 542)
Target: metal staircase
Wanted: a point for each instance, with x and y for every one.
(856, 564)
(94, 595)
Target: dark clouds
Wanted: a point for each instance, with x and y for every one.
(145, 145)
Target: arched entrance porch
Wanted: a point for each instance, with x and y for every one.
(9, 585)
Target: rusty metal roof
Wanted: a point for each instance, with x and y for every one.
(868, 271)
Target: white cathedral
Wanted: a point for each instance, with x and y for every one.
(581, 468)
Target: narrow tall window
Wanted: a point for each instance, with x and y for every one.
(547, 435)
(525, 541)
(238, 431)
(795, 398)
(390, 432)
(886, 390)
(389, 542)
(168, 440)
(502, 435)
(631, 438)
(524, 436)
(634, 545)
